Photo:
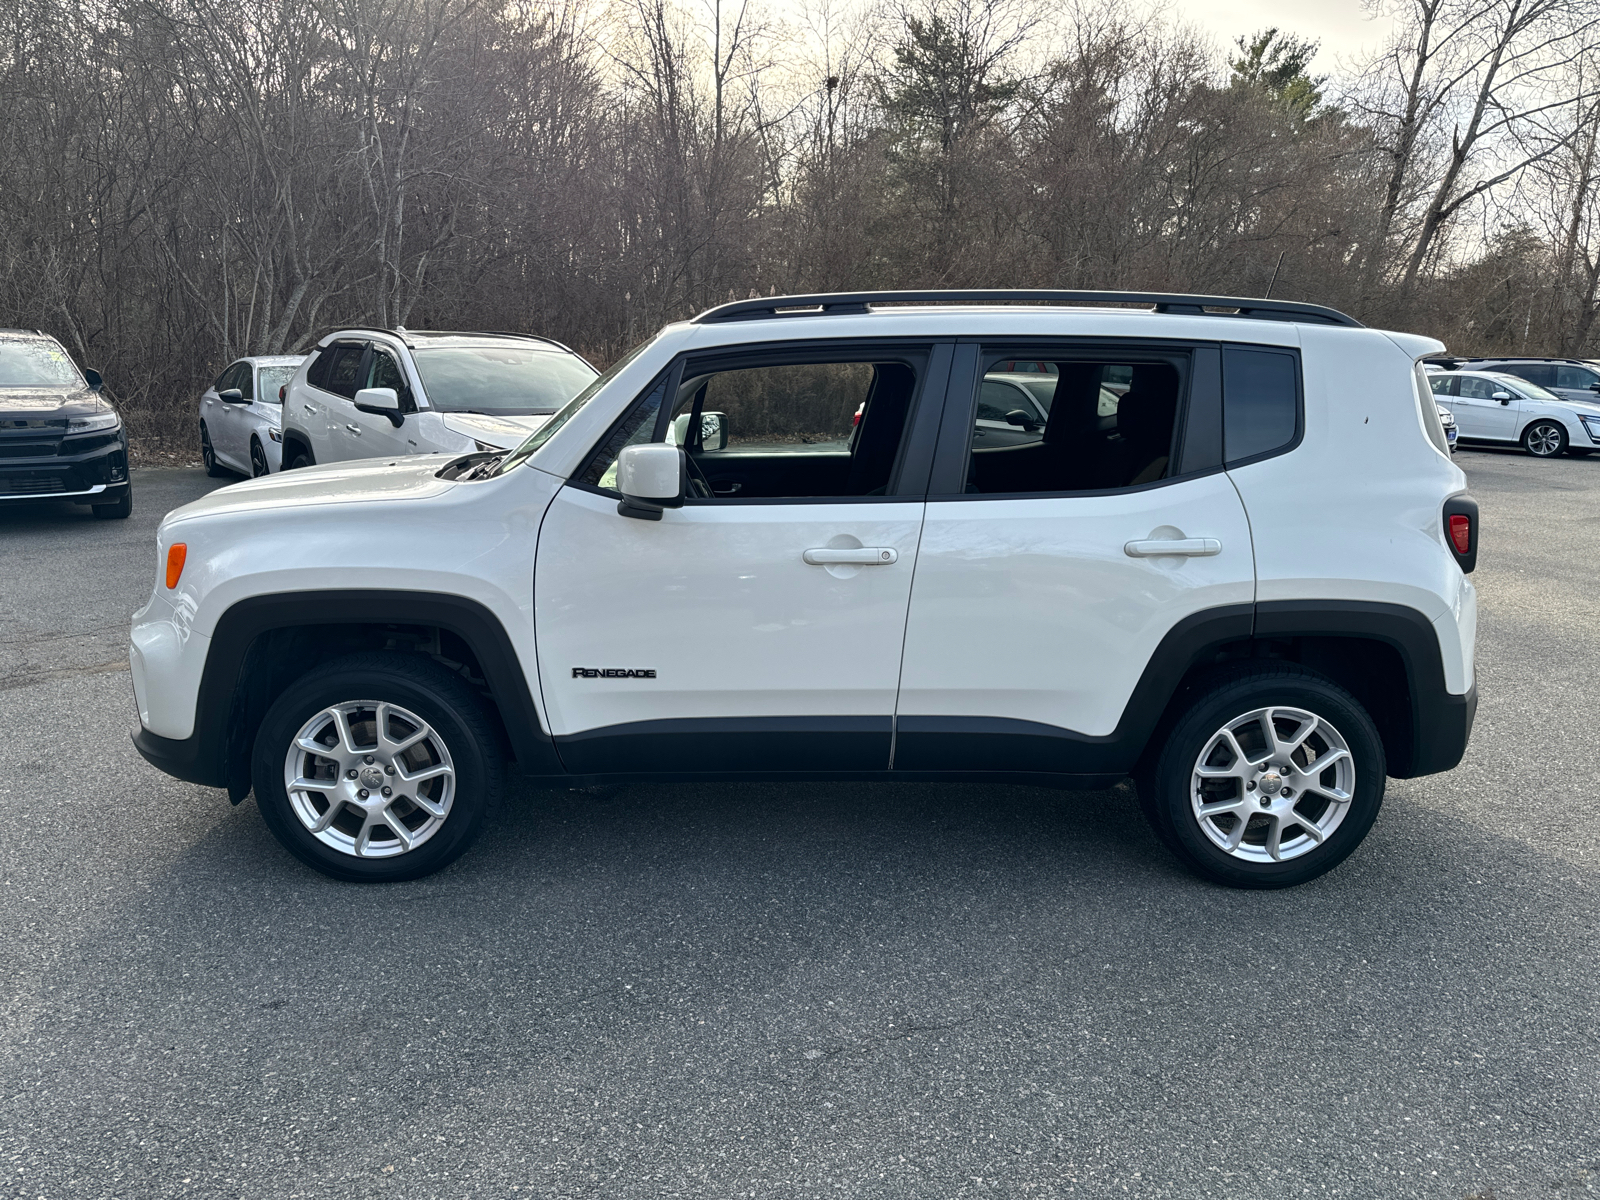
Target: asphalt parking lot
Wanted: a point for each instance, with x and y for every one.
(786, 991)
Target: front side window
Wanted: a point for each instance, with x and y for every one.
(1083, 423)
(1575, 378)
(500, 380)
(1260, 401)
(776, 430)
(244, 380)
(36, 362)
(385, 373)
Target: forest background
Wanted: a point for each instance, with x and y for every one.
(186, 181)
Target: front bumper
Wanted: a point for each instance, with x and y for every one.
(86, 468)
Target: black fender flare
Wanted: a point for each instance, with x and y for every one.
(210, 755)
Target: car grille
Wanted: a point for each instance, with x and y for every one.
(27, 449)
(32, 485)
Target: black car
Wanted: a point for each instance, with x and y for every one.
(59, 438)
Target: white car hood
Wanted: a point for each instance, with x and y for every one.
(414, 477)
(503, 433)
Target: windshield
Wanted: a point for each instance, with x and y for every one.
(1523, 388)
(273, 378)
(500, 380)
(36, 362)
(542, 435)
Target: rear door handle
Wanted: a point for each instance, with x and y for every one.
(1189, 547)
(310, 412)
(355, 429)
(866, 556)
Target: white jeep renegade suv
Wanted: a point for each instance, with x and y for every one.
(1241, 579)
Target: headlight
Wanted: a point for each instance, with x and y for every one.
(275, 434)
(108, 420)
(1447, 418)
(1591, 425)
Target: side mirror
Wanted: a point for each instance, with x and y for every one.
(232, 396)
(383, 401)
(96, 382)
(1503, 397)
(713, 432)
(1021, 419)
(651, 478)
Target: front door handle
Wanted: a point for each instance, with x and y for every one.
(863, 556)
(1189, 547)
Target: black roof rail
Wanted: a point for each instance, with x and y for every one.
(1163, 302)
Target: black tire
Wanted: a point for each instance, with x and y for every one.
(258, 460)
(298, 457)
(209, 456)
(117, 509)
(1545, 439)
(440, 699)
(1166, 781)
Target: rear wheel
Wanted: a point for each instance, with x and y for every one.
(258, 460)
(1544, 439)
(208, 455)
(1271, 777)
(377, 768)
(297, 456)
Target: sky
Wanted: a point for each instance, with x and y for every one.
(1342, 26)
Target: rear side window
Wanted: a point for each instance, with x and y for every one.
(1574, 377)
(1541, 373)
(1260, 402)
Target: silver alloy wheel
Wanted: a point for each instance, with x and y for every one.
(258, 460)
(1272, 784)
(369, 779)
(1544, 439)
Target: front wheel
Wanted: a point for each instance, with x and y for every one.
(258, 460)
(377, 768)
(1270, 778)
(1544, 439)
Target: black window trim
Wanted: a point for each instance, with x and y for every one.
(955, 441)
(917, 445)
(366, 359)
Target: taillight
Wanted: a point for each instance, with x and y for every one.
(1461, 530)
(176, 554)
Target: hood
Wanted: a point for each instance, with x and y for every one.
(503, 433)
(50, 403)
(367, 480)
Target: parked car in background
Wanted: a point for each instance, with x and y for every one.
(374, 393)
(1491, 406)
(1568, 378)
(241, 415)
(59, 437)
(1448, 420)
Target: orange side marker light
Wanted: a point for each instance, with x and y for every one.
(176, 554)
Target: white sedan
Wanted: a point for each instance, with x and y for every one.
(1490, 406)
(241, 416)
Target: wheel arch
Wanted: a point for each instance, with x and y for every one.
(296, 438)
(1386, 655)
(263, 643)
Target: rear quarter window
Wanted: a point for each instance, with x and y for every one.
(1260, 402)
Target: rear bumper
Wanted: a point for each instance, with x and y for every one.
(1443, 729)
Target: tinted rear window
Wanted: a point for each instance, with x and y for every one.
(1260, 401)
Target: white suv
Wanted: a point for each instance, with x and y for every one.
(1248, 588)
(374, 393)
